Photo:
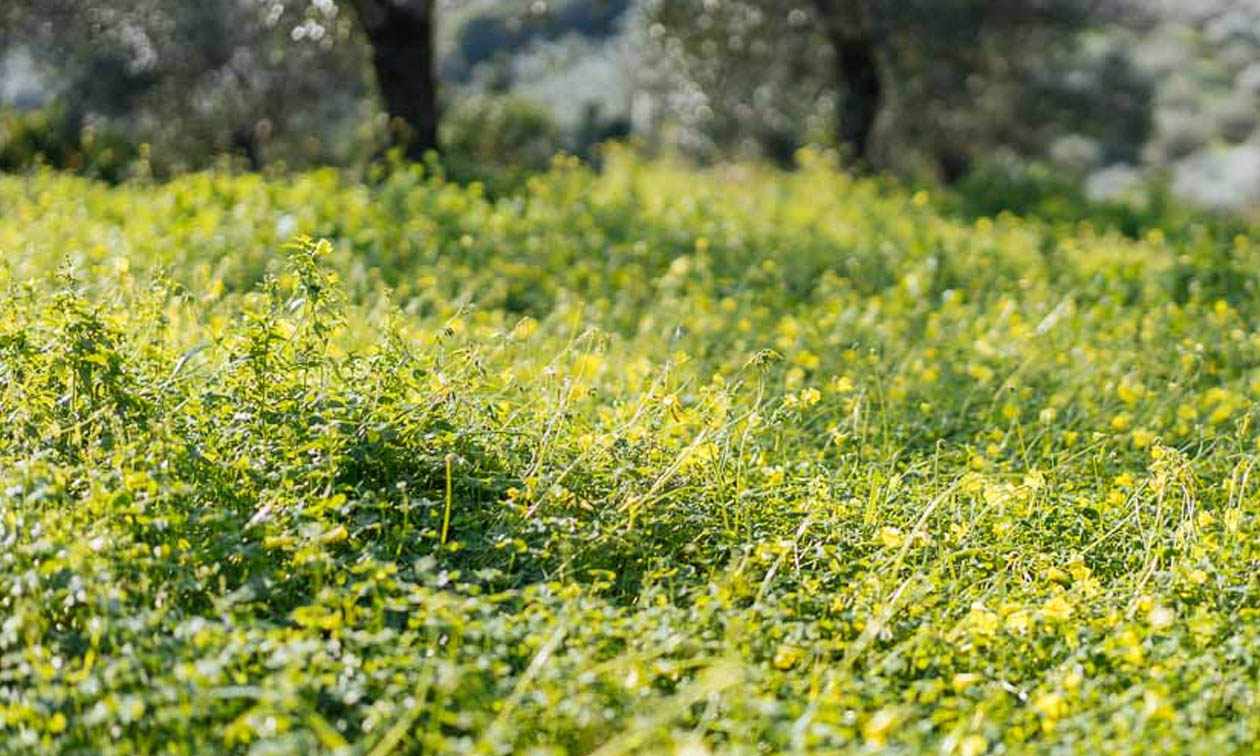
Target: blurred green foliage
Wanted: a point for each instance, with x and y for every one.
(50, 137)
(1058, 197)
(498, 141)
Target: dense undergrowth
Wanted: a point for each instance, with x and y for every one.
(655, 461)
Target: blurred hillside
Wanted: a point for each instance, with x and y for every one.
(1204, 58)
(577, 57)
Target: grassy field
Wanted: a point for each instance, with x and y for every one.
(650, 462)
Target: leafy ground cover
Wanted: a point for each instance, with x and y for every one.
(654, 461)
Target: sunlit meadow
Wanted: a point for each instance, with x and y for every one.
(654, 461)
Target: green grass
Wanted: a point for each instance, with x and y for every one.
(651, 462)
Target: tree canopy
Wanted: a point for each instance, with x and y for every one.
(235, 73)
(941, 78)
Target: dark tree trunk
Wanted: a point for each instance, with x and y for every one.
(862, 97)
(245, 141)
(401, 33)
(954, 165)
(856, 45)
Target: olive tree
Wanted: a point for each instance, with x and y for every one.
(233, 74)
(946, 77)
